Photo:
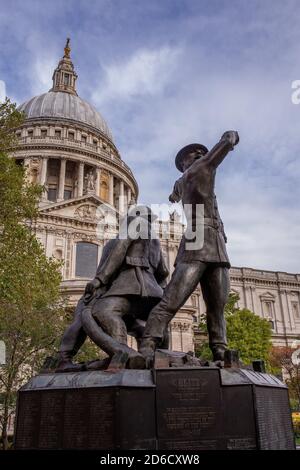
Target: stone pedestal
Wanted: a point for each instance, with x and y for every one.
(172, 409)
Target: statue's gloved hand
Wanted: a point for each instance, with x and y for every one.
(90, 289)
(231, 136)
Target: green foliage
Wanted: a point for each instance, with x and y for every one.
(89, 351)
(31, 306)
(249, 334)
(281, 359)
(294, 404)
(18, 199)
(246, 332)
(231, 306)
(10, 118)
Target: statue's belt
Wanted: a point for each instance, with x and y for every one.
(143, 266)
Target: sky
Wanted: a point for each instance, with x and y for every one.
(166, 73)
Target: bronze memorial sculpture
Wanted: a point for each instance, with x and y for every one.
(127, 284)
(155, 398)
(207, 265)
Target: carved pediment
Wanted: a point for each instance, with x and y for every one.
(89, 212)
(267, 296)
(88, 208)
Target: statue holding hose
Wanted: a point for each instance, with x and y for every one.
(128, 283)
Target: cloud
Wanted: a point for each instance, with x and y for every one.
(146, 72)
(2, 90)
(262, 232)
(193, 70)
(41, 74)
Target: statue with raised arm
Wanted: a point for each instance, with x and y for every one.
(208, 264)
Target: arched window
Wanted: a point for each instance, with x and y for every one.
(66, 79)
(86, 259)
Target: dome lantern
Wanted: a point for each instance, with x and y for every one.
(64, 76)
(62, 101)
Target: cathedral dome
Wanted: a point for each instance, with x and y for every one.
(65, 105)
(67, 147)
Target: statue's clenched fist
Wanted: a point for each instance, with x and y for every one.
(231, 136)
(90, 288)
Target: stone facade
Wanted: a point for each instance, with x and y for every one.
(271, 295)
(67, 147)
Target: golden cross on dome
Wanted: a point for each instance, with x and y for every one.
(67, 49)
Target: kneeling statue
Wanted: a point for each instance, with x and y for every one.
(128, 283)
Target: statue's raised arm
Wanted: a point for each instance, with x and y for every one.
(217, 154)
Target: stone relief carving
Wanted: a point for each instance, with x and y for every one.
(88, 212)
(180, 326)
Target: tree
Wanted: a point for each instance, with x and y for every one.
(246, 332)
(19, 201)
(281, 362)
(31, 306)
(10, 118)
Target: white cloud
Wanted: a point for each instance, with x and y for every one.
(257, 185)
(147, 72)
(2, 90)
(262, 233)
(41, 74)
(193, 74)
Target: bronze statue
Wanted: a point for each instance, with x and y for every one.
(127, 285)
(207, 265)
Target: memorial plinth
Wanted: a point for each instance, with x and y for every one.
(173, 409)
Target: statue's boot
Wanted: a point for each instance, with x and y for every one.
(147, 350)
(136, 361)
(65, 363)
(218, 352)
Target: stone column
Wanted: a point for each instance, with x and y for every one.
(128, 196)
(62, 176)
(80, 179)
(111, 190)
(291, 319)
(98, 181)
(252, 300)
(172, 255)
(121, 197)
(283, 325)
(43, 176)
